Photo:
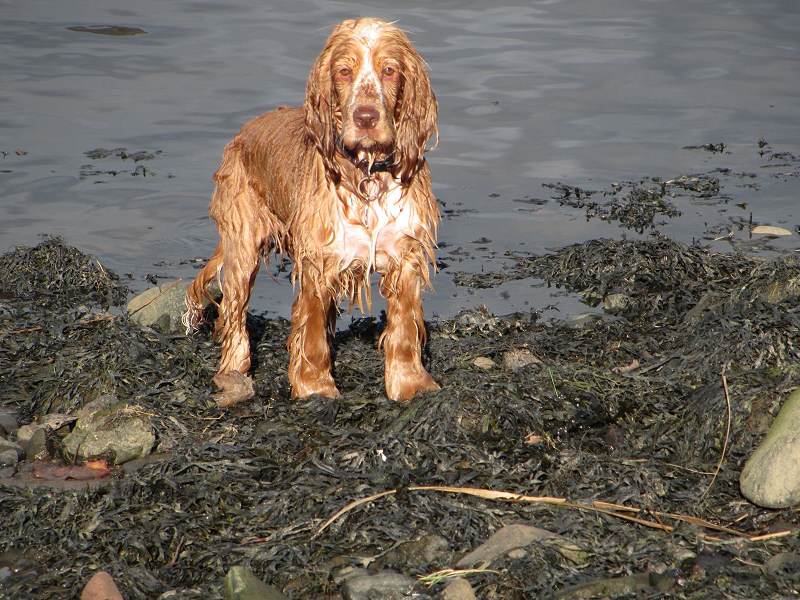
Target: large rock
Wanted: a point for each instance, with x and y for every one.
(119, 430)
(162, 307)
(511, 537)
(383, 585)
(242, 584)
(771, 477)
(416, 554)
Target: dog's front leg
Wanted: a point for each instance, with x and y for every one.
(404, 336)
(309, 342)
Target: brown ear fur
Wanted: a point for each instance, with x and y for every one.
(415, 114)
(320, 110)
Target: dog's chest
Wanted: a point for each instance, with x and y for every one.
(371, 232)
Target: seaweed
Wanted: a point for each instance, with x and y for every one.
(253, 485)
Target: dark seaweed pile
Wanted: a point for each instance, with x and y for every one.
(251, 485)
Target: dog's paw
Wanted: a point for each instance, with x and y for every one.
(323, 386)
(234, 387)
(403, 384)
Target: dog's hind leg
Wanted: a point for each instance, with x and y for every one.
(197, 296)
(246, 227)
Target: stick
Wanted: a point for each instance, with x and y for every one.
(727, 434)
(598, 506)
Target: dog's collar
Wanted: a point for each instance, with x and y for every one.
(382, 166)
(379, 166)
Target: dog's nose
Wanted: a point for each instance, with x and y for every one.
(366, 117)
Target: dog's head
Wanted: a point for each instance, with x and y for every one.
(369, 98)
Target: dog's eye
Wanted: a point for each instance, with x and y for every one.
(344, 72)
(389, 72)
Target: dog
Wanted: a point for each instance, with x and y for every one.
(342, 187)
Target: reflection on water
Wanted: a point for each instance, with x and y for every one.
(530, 93)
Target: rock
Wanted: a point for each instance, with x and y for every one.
(342, 573)
(646, 584)
(55, 421)
(103, 402)
(101, 587)
(9, 445)
(33, 439)
(519, 358)
(162, 307)
(770, 230)
(510, 537)
(120, 430)
(484, 362)
(771, 476)
(785, 565)
(615, 303)
(517, 553)
(8, 458)
(778, 291)
(383, 585)
(242, 584)
(582, 320)
(416, 554)
(8, 420)
(458, 589)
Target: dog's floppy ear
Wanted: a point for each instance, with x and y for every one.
(320, 110)
(415, 114)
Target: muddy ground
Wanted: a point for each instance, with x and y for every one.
(627, 406)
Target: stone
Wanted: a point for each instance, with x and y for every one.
(778, 291)
(383, 585)
(119, 431)
(771, 476)
(8, 420)
(242, 584)
(458, 589)
(518, 358)
(484, 362)
(162, 307)
(101, 587)
(8, 458)
(644, 584)
(615, 303)
(55, 421)
(582, 320)
(33, 439)
(511, 537)
(9, 445)
(417, 554)
(784, 565)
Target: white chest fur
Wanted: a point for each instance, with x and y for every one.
(369, 232)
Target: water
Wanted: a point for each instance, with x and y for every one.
(530, 93)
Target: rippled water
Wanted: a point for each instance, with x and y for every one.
(530, 93)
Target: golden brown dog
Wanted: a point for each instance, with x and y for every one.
(341, 185)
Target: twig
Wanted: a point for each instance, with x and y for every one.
(598, 506)
(26, 330)
(727, 434)
(553, 381)
(437, 577)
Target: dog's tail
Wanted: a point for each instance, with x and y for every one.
(197, 294)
